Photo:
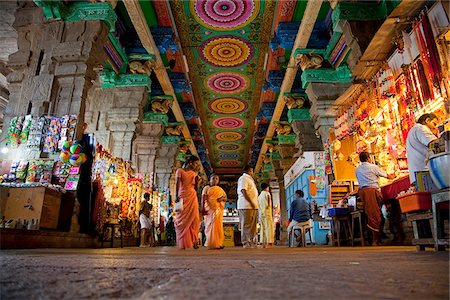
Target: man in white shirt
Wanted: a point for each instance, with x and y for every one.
(369, 192)
(423, 133)
(247, 205)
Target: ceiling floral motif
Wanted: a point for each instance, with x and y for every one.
(224, 14)
(228, 123)
(228, 105)
(226, 51)
(227, 83)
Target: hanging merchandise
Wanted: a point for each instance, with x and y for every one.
(25, 129)
(14, 130)
(34, 141)
(68, 124)
(71, 152)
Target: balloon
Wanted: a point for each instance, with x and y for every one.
(83, 157)
(75, 148)
(64, 156)
(66, 146)
(75, 160)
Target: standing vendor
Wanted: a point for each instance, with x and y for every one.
(369, 192)
(420, 137)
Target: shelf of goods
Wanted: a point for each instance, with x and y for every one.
(339, 191)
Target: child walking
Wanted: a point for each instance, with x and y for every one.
(146, 224)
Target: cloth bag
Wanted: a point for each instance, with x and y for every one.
(178, 206)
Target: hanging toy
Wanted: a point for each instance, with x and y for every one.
(75, 148)
(75, 160)
(66, 146)
(64, 156)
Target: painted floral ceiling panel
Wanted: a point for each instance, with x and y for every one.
(225, 42)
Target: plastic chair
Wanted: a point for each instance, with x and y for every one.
(303, 227)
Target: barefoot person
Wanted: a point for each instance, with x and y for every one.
(213, 200)
(247, 205)
(187, 222)
(265, 216)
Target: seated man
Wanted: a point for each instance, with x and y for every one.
(300, 211)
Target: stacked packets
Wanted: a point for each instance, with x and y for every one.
(35, 133)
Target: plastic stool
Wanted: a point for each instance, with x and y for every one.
(357, 215)
(112, 226)
(303, 227)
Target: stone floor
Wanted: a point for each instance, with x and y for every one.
(232, 273)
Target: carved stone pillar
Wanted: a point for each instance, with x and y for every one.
(307, 139)
(322, 97)
(146, 146)
(113, 115)
(54, 65)
(164, 164)
(279, 172)
(287, 154)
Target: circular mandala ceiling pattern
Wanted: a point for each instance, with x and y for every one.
(228, 123)
(229, 163)
(227, 105)
(224, 14)
(228, 136)
(226, 51)
(228, 147)
(227, 83)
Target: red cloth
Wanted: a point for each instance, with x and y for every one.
(391, 190)
(372, 207)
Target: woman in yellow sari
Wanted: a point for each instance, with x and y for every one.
(213, 203)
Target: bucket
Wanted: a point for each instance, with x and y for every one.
(439, 165)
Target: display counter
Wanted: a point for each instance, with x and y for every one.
(36, 207)
(393, 188)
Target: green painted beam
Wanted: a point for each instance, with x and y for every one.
(299, 11)
(149, 13)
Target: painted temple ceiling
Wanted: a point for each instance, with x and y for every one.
(225, 43)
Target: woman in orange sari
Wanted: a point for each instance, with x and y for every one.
(213, 202)
(187, 222)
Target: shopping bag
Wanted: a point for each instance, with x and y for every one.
(178, 206)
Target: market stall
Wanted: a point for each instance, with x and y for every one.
(38, 184)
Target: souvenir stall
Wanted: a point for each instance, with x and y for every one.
(119, 194)
(40, 173)
(381, 112)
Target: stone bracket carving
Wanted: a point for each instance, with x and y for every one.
(110, 79)
(341, 74)
(294, 100)
(173, 139)
(154, 117)
(286, 139)
(79, 11)
(298, 114)
(359, 11)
